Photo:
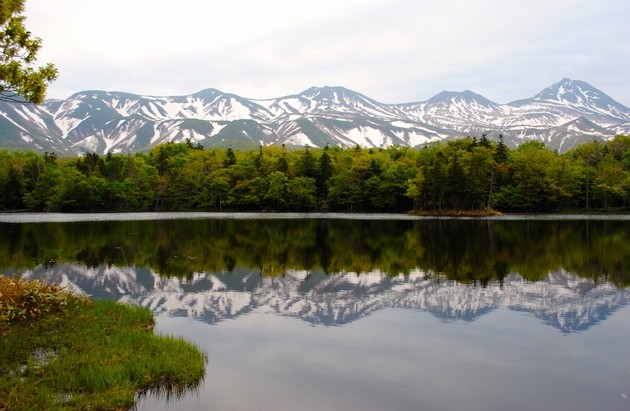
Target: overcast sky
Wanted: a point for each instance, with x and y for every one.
(394, 51)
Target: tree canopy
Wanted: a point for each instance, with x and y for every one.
(453, 176)
(20, 79)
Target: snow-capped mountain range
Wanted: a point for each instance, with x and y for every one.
(563, 115)
(562, 300)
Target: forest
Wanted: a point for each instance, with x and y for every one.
(466, 174)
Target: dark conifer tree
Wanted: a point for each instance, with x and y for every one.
(305, 166)
(501, 151)
(324, 174)
(229, 159)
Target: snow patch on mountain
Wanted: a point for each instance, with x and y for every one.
(368, 137)
(300, 139)
(122, 122)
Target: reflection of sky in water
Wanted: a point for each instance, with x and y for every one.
(301, 339)
(405, 360)
(402, 342)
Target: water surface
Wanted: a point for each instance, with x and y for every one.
(361, 312)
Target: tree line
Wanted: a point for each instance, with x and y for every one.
(466, 174)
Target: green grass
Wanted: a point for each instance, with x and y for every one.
(71, 353)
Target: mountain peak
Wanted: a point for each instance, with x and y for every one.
(208, 93)
(327, 92)
(463, 96)
(569, 91)
(581, 95)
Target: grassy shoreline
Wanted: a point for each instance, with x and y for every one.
(62, 351)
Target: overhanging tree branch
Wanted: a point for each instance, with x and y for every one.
(20, 80)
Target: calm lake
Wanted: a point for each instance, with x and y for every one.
(361, 312)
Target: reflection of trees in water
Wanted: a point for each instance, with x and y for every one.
(469, 251)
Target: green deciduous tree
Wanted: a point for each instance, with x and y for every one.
(414, 190)
(588, 156)
(20, 80)
(41, 180)
(534, 180)
(251, 193)
(11, 187)
(219, 188)
(457, 186)
(609, 181)
(301, 193)
(277, 190)
(482, 175)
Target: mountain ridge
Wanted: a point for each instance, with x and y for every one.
(109, 121)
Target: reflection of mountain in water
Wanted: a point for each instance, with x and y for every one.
(567, 302)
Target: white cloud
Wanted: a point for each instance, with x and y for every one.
(391, 50)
